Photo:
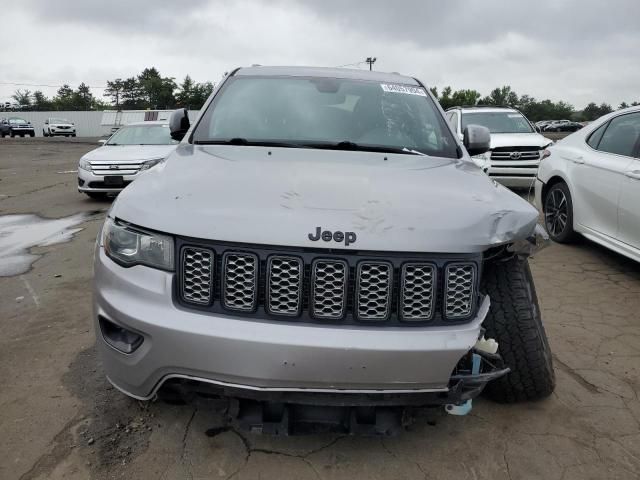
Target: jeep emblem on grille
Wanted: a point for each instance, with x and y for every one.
(515, 155)
(337, 236)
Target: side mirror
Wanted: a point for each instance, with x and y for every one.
(477, 139)
(102, 141)
(179, 124)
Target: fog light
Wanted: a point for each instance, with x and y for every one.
(119, 338)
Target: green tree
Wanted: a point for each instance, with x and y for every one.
(465, 97)
(22, 97)
(157, 90)
(501, 97)
(83, 98)
(132, 96)
(64, 98)
(40, 101)
(114, 91)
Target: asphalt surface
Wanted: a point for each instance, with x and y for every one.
(59, 418)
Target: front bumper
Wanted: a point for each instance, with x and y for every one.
(264, 356)
(62, 131)
(89, 182)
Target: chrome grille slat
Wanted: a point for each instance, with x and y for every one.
(240, 281)
(328, 289)
(459, 290)
(197, 277)
(373, 290)
(523, 155)
(284, 285)
(418, 291)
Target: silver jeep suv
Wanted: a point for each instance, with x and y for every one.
(321, 237)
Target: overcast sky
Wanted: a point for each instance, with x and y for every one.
(570, 50)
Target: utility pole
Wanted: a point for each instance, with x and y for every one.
(371, 61)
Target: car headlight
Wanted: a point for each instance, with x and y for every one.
(84, 165)
(151, 163)
(131, 246)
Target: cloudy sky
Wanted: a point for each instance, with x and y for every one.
(560, 49)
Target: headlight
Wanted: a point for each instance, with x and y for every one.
(130, 246)
(151, 163)
(84, 165)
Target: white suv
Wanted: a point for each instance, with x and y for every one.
(58, 126)
(516, 147)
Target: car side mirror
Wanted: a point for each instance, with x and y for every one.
(477, 139)
(102, 141)
(179, 123)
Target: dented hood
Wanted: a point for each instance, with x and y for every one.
(278, 196)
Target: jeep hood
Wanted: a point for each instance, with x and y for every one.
(518, 140)
(128, 153)
(277, 196)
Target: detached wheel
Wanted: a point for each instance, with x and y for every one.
(558, 213)
(514, 322)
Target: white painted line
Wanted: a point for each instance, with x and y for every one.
(31, 291)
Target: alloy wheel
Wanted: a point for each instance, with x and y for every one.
(556, 212)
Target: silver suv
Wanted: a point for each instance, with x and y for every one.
(321, 237)
(516, 146)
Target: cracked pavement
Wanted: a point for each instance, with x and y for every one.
(59, 418)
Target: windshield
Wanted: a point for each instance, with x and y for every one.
(17, 120)
(309, 112)
(498, 122)
(59, 120)
(142, 135)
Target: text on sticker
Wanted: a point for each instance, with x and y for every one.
(406, 89)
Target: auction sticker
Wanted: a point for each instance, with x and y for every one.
(406, 89)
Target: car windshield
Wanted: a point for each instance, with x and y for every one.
(321, 112)
(498, 122)
(17, 120)
(142, 135)
(59, 120)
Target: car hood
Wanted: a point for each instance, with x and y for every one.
(61, 125)
(518, 140)
(279, 196)
(128, 153)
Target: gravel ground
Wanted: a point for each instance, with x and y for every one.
(59, 418)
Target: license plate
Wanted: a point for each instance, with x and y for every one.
(114, 181)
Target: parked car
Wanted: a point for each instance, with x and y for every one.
(516, 147)
(121, 159)
(321, 237)
(58, 126)
(13, 126)
(562, 126)
(590, 184)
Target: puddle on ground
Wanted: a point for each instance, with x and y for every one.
(19, 233)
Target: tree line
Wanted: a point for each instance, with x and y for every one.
(151, 90)
(535, 110)
(148, 90)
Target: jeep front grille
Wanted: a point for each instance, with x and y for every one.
(418, 289)
(313, 286)
(459, 286)
(329, 289)
(197, 279)
(240, 281)
(284, 285)
(373, 290)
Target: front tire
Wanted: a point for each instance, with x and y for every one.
(514, 321)
(44, 134)
(558, 213)
(32, 134)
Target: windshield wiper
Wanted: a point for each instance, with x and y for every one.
(357, 147)
(251, 143)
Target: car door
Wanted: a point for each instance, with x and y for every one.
(629, 205)
(597, 172)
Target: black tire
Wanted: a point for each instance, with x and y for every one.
(514, 322)
(12, 134)
(97, 195)
(73, 134)
(32, 134)
(557, 206)
(44, 134)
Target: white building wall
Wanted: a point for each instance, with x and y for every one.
(88, 124)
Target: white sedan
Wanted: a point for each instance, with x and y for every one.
(130, 151)
(589, 183)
